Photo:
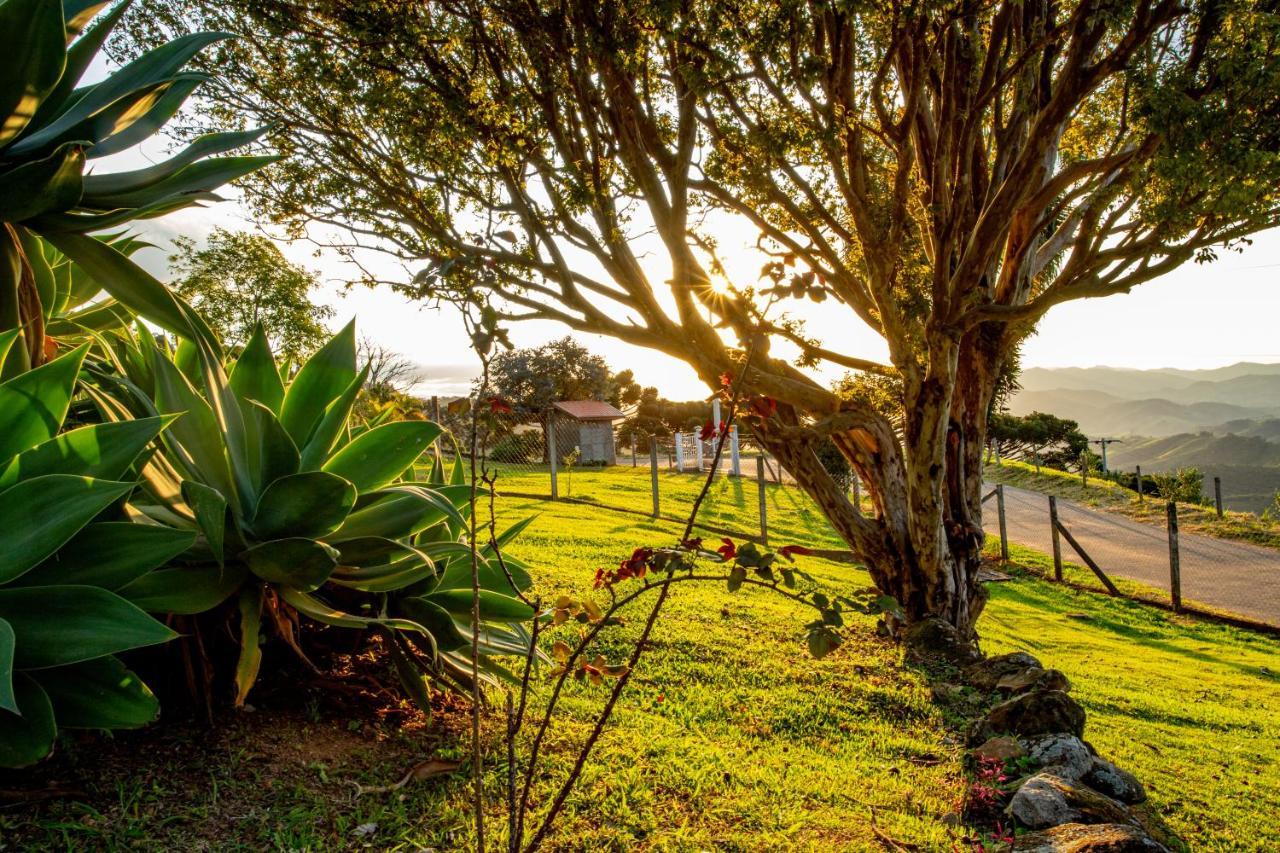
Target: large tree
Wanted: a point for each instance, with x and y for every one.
(943, 172)
(238, 280)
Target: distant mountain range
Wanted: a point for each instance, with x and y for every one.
(1224, 421)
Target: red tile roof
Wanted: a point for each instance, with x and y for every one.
(589, 410)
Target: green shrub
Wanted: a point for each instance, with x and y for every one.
(519, 448)
(300, 511)
(66, 564)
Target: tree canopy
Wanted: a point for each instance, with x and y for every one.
(532, 379)
(943, 173)
(238, 280)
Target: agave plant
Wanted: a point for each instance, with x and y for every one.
(67, 561)
(50, 127)
(298, 513)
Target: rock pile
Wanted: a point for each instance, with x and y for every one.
(1072, 799)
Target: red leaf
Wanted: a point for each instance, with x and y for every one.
(728, 550)
(497, 404)
(693, 544)
(789, 551)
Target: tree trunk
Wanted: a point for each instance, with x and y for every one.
(923, 542)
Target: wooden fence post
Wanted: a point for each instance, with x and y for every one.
(764, 519)
(634, 462)
(551, 454)
(435, 409)
(1057, 542)
(1141, 499)
(1175, 559)
(735, 456)
(653, 474)
(1217, 495)
(1004, 531)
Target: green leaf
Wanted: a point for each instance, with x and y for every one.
(190, 182)
(320, 382)
(304, 564)
(33, 61)
(79, 55)
(823, 641)
(146, 72)
(255, 376)
(210, 509)
(42, 513)
(204, 146)
(377, 458)
(439, 624)
(98, 694)
(102, 450)
(314, 608)
(34, 404)
(493, 606)
(26, 739)
(407, 671)
(184, 590)
(109, 554)
(331, 425)
(737, 575)
(6, 341)
(250, 659)
(269, 452)
(195, 438)
(59, 625)
(7, 700)
(51, 184)
(133, 286)
(457, 575)
(395, 513)
(136, 128)
(313, 504)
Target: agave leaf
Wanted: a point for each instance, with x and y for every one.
(210, 508)
(109, 554)
(98, 694)
(411, 678)
(34, 404)
(104, 317)
(303, 564)
(79, 55)
(270, 452)
(331, 425)
(103, 450)
(133, 286)
(79, 13)
(395, 513)
(250, 652)
(203, 176)
(146, 120)
(34, 58)
(312, 504)
(195, 438)
(26, 739)
(435, 619)
(7, 338)
(321, 381)
(97, 186)
(59, 625)
(8, 701)
(312, 607)
(184, 590)
(494, 606)
(51, 184)
(457, 574)
(255, 376)
(42, 513)
(375, 459)
(155, 66)
(389, 577)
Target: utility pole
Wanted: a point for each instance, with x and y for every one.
(1103, 442)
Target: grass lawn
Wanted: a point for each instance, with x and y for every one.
(1104, 494)
(730, 736)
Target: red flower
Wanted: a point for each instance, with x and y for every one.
(726, 379)
(789, 551)
(497, 404)
(728, 550)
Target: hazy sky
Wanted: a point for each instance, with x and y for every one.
(1199, 316)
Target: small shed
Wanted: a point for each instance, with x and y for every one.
(588, 426)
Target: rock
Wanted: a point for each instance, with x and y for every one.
(936, 640)
(1064, 755)
(1032, 679)
(1040, 803)
(999, 748)
(978, 731)
(1116, 783)
(984, 675)
(1084, 838)
(1047, 800)
(1038, 712)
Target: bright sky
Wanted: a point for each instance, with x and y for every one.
(1198, 316)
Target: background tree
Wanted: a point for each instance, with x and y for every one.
(943, 173)
(1042, 438)
(238, 280)
(391, 374)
